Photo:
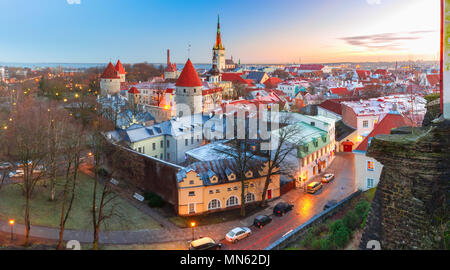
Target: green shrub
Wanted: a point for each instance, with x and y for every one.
(341, 237)
(351, 220)
(315, 244)
(362, 209)
(308, 239)
(325, 244)
(432, 97)
(336, 225)
(153, 199)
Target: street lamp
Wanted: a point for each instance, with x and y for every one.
(193, 226)
(11, 223)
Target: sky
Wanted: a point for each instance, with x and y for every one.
(254, 31)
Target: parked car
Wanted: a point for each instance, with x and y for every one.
(313, 187)
(330, 204)
(204, 243)
(282, 208)
(237, 234)
(261, 221)
(18, 173)
(5, 165)
(327, 178)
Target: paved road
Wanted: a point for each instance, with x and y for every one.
(305, 205)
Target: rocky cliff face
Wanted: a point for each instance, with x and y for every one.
(411, 201)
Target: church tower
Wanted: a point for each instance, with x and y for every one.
(189, 89)
(218, 49)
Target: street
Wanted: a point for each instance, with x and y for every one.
(305, 205)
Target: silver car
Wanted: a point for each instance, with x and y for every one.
(237, 234)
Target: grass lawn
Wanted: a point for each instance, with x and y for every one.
(207, 219)
(47, 213)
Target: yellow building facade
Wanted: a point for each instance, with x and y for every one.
(215, 189)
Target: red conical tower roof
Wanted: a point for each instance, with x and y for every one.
(133, 90)
(110, 72)
(119, 68)
(189, 76)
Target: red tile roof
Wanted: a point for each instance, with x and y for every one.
(272, 82)
(110, 72)
(119, 68)
(340, 91)
(233, 77)
(189, 76)
(390, 121)
(332, 106)
(434, 79)
(133, 90)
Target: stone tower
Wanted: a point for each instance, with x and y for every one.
(218, 48)
(189, 89)
(120, 71)
(110, 81)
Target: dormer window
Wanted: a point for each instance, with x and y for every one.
(249, 174)
(230, 174)
(212, 177)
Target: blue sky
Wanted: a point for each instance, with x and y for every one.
(255, 31)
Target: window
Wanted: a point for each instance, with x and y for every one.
(235, 188)
(161, 156)
(184, 90)
(153, 146)
(370, 166)
(229, 189)
(369, 183)
(217, 190)
(192, 140)
(250, 197)
(162, 144)
(211, 192)
(213, 204)
(143, 149)
(168, 156)
(365, 124)
(191, 193)
(191, 182)
(168, 143)
(191, 208)
(232, 201)
(186, 142)
(139, 150)
(252, 185)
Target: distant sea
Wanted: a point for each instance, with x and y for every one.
(84, 65)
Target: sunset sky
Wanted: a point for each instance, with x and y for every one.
(255, 31)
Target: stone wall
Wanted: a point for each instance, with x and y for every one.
(413, 187)
(143, 173)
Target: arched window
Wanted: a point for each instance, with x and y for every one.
(213, 204)
(232, 201)
(250, 197)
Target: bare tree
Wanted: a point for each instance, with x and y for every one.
(27, 145)
(285, 140)
(73, 145)
(103, 200)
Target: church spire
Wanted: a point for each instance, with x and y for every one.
(218, 45)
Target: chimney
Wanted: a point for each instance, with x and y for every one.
(168, 57)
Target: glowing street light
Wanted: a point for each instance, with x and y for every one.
(193, 226)
(11, 223)
(76, 95)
